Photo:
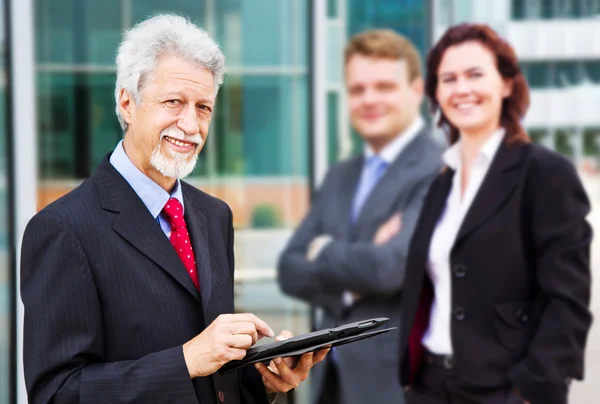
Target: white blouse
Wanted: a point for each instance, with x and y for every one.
(437, 338)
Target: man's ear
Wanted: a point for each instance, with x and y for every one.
(418, 86)
(125, 105)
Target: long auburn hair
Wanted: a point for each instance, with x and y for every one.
(514, 106)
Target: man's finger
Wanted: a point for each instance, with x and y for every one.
(243, 328)
(320, 355)
(241, 341)
(283, 335)
(274, 381)
(261, 326)
(306, 362)
(286, 374)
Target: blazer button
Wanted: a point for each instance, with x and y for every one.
(221, 396)
(460, 271)
(522, 315)
(459, 313)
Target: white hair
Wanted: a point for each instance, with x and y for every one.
(148, 40)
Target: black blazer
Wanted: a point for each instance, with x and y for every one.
(520, 276)
(109, 304)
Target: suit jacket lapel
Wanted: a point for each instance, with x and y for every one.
(137, 226)
(433, 209)
(498, 184)
(198, 229)
(392, 183)
(345, 198)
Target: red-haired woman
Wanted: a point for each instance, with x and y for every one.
(495, 306)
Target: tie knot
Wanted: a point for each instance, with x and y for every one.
(174, 213)
(376, 163)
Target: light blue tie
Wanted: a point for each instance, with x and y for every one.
(372, 172)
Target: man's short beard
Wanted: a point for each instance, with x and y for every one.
(179, 165)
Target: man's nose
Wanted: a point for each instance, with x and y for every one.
(369, 96)
(188, 121)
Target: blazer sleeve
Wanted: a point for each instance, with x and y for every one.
(369, 269)
(561, 239)
(300, 277)
(63, 342)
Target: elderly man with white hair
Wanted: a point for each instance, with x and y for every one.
(127, 281)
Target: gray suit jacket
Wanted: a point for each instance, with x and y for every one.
(367, 369)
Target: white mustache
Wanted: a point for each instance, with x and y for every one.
(178, 134)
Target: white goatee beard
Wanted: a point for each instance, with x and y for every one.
(179, 165)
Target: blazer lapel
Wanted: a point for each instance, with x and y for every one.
(434, 208)
(345, 198)
(137, 226)
(391, 184)
(497, 186)
(198, 229)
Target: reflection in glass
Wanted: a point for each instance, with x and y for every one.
(69, 31)
(76, 122)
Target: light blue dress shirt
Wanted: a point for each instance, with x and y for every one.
(153, 196)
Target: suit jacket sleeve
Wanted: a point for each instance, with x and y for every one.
(63, 354)
(300, 277)
(365, 268)
(561, 240)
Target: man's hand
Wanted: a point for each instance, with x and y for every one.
(388, 230)
(286, 374)
(225, 339)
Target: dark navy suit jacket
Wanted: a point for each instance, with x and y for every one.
(109, 304)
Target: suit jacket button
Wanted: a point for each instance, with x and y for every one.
(460, 271)
(221, 396)
(459, 313)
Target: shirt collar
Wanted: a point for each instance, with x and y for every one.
(390, 152)
(452, 156)
(151, 194)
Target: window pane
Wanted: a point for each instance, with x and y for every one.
(546, 9)
(69, 31)
(104, 127)
(592, 71)
(56, 112)
(537, 74)
(408, 17)
(77, 123)
(591, 142)
(274, 132)
(142, 9)
(254, 33)
(518, 9)
(566, 74)
(332, 8)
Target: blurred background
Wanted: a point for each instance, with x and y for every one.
(280, 120)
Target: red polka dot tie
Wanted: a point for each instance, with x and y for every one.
(180, 238)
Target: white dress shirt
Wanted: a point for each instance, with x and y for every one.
(437, 338)
(395, 147)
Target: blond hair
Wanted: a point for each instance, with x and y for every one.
(385, 44)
